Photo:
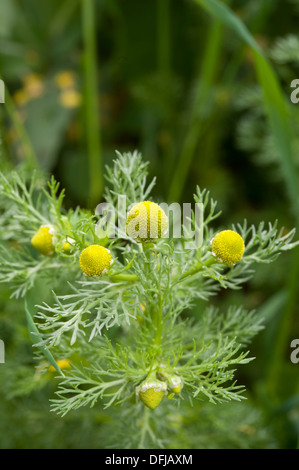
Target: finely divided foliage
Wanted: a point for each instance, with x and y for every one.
(137, 319)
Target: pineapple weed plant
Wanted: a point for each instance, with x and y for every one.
(112, 315)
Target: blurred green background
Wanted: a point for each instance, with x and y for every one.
(187, 84)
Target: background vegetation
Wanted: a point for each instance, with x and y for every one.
(202, 90)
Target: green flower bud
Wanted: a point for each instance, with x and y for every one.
(175, 383)
(151, 392)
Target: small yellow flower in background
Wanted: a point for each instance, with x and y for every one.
(70, 98)
(68, 245)
(11, 134)
(43, 240)
(65, 79)
(33, 85)
(62, 364)
(139, 318)
(95, 260)
(20, 97)
(228, 247)
(146, 222)
(66, 82)
(151, 392)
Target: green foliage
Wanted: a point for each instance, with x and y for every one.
(202, 88)
(137, 319)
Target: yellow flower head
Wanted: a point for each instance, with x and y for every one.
(43, 240)
(95, 260)
(151, 392)
(146, 222)
(62, 364)
(228, 247)
(68, 245)
(70, 98)
(21, 97)
(33, 85)
(65, 79)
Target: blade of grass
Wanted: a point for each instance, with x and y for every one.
(277, 113)
(278, 117)
(91, 103)
(274, 100)
(35, 336)
(279, 121)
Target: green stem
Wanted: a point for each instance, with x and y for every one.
(145, 428)
(124, 277)
(91, 98)
(158, 323)
(196, 269)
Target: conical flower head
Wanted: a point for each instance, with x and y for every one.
(43, 240)
(228, 247)
(146, 222)
(95, 260)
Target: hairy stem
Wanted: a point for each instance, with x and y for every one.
(196, 269)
